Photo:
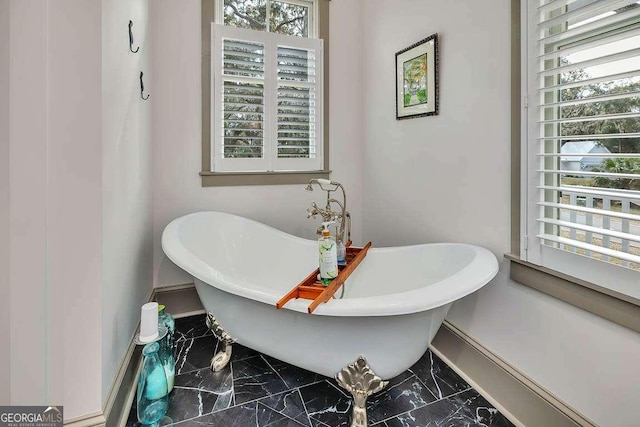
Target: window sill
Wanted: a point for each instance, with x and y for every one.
(220, 179)
(618, 308)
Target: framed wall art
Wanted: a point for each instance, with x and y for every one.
(417, 79)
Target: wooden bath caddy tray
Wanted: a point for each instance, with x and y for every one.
(309, 289)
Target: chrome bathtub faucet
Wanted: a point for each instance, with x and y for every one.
(341, 217)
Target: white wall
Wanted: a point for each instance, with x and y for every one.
(127, 251)
(446, 178)
(5, 381)
(74, 235)
(176, 118)
(28, 197)
(55, 204)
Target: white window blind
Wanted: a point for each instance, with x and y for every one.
(267, 108)
(582, 152)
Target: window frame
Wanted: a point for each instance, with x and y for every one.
(212, 12)
(606, 303)
(532, 250)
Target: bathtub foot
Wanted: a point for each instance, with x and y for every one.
(221, 358)
(361, 382)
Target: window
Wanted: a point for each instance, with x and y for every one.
(266, 90)
(290, 17)
(581, 142)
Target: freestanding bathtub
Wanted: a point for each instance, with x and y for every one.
(392, 307)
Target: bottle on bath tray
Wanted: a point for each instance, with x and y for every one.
(342, 253)
(327, 255)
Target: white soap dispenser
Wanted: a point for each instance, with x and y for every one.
(328, 256)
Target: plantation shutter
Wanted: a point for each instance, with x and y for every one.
(583, 138)
(267, 108)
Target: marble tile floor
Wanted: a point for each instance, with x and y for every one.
(257, 390)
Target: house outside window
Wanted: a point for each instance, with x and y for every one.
(581, 141)
(266, 112)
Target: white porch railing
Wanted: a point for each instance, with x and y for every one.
(603, 218)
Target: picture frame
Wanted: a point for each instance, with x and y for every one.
(417, 88)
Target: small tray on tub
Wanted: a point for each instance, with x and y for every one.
(309, 289)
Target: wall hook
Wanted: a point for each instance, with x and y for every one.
(142, 88)
(131, 38)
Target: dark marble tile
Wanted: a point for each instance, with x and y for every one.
(249, 414)
(165, 421)
(266, 416)
(195, 394)
(253, 379)
(258, 390)
(189, 403)
(290, 404)
(191, 327)
(316, 423)
(439, 378)
(241, 352)
(237, 416)
(195, 353)
(403, 393)
(467, 409)
(200, 392)
(292, 375)
(326, 405)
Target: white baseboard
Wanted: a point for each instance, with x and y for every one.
(518, 397)
(181, 300)
(90, 420)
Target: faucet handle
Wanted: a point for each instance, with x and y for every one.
(312, 212)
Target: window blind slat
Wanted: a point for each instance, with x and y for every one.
(590, 173)
(292, 131)
(302, 69)
(592, 229)
(630, 53)
(592, 99)
(243, 129)
(292, 115)
(568, 49)
(293, 52)
(244, 54)
(590, 9)
(591, 26)
(239, 120)
(590, 247)
(605, 155)
(246, 63)
(596, 192)
(601, 79)
(552, 5)
(242, 45)
(243, 105)
(591, 137)
(593, 118)
(294, 108)
(613, 214)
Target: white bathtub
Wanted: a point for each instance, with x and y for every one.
(393, 304)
